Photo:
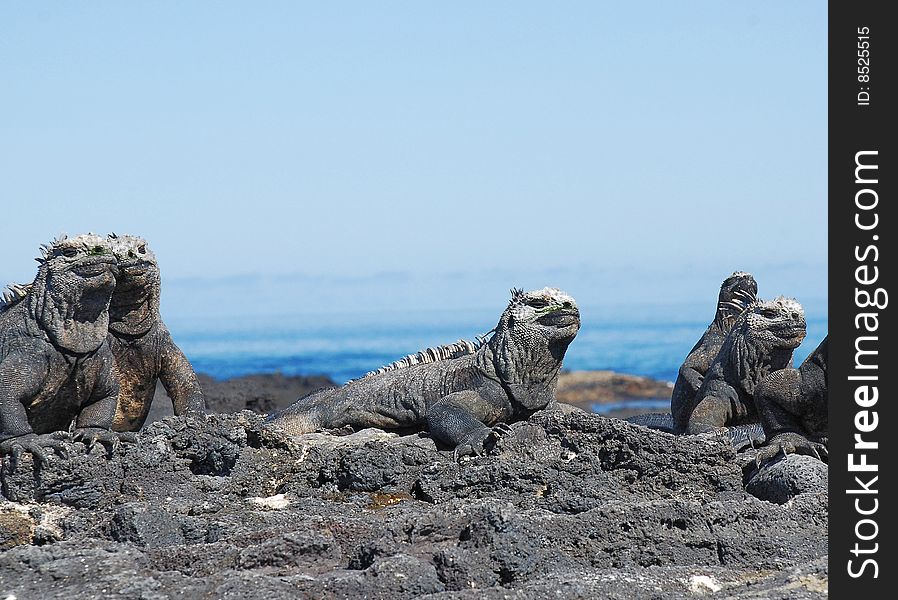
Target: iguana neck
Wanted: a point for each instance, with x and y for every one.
(752, 361)
(528, 371)
(74, 317)
(133, 318)
(134, 308)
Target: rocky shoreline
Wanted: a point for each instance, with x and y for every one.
(572, 506)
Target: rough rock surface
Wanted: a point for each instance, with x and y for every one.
(571, 506)
(781, 480)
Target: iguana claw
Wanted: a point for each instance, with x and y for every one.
(480, 441)
(37, 445)
(110, 440)
(501, 429)
(472, 444)
(128, 437)
(790, 443)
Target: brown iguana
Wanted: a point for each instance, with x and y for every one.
(143, 348)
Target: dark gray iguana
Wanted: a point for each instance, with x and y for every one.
(736, 292)
(761, 341)
(56, 367)
(464, 392)
(143, 348)
(793, 407)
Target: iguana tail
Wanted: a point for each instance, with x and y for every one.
(305, 415)
(750, 434)
(660, 421)
(741, 436)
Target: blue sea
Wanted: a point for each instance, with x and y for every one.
(643, 340)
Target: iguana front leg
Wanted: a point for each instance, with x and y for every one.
(21, 379)
(779, 401)
(689, 381)
(180, 381)
(692, 377)
(719, 407)
(38, 445)
(460, 420)
(94, 422)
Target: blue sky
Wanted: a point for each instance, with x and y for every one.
(666, 143)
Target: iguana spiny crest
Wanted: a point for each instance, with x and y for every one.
(737, 292)
(430, 355)
(14, 292)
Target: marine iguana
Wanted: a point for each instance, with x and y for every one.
(463, 393)
(736, 292)
(143, 348)
(760, 342)
(793, 407)
(55, 364)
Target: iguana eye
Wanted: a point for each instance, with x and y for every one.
(769, 313)
(70, 252)
(142, 249)
(539, 303)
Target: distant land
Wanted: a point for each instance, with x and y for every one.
(477, 288)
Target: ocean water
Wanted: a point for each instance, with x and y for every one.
(641, 340)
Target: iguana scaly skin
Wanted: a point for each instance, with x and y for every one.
(741, 436)
(736, 292)
(760, 342)
(793, 406)
(143, 348)
(461, 396)
(55, 364)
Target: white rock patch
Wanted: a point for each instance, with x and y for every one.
(276, 502)
(702, 584)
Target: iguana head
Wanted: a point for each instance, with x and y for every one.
(70, 295)
(530, 341)
(135, 302)
(737, 292)
(774, 324)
